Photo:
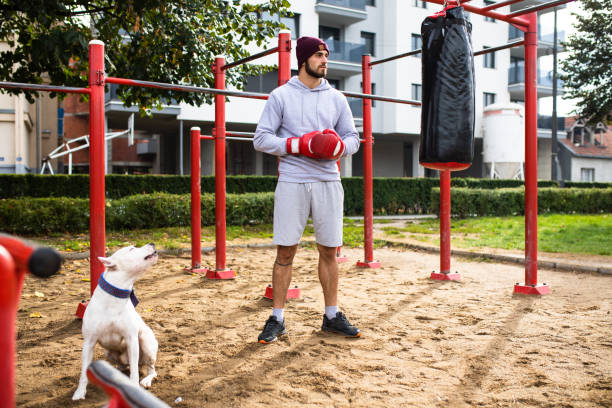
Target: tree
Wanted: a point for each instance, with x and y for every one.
(588, 69)
(171, 41)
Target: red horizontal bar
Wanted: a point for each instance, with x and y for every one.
(184, 88)
(250, 58)
(478, 10)
(39, 87)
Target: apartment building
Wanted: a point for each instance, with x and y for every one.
(382, 28)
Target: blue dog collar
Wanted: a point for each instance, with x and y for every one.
(116, 292)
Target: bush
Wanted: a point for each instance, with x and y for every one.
(48, 215)
(511, 201)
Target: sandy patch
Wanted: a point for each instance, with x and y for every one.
(425, 343)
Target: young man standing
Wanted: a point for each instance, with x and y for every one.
(310, 126)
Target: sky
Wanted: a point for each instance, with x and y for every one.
(565, 22)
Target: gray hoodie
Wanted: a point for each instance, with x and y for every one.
(294, 109)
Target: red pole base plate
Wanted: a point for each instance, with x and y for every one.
(196, 269)
(220, 274)
(368, 264)
(81, 309)
(443, 276)
(292, 293)
(540, 289)
(341, 259)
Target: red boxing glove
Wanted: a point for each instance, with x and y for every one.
(301, 145)
(327, 145)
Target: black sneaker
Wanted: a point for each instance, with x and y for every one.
(272, 329)
(341, 325)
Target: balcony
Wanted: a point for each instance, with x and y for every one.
(545, 41)
(530, 3)
(516, 83)
(113, 104)
(344, 58)
(341, 12)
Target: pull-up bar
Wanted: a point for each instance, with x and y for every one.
(48, 88)
(250, 58)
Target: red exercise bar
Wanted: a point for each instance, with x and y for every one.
(368, 206)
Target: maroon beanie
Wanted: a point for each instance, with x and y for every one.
(306, 46)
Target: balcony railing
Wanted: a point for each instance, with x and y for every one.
(344, 51)
(516, 75)
(515, 33)
(354, 4)
(545, 122)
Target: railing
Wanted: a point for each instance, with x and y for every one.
(516, 75)
(545, 122)
(354, 4)
(345, 51)
(515, 33)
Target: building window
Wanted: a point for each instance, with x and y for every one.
(419, 3)
(334, 83)
(371, 3)
(416, 92)
(368, 39)
(291, 23)
(488, 3)
(489, 59)
(489, 98)
(587, 174)
(416, 43)
(329, 34)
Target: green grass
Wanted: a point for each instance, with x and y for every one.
(577, 233)
(581, 234)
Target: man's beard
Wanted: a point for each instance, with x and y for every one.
(314, 73)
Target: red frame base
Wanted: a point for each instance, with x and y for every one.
(368, 264)
(292, 293)
(341, 258)
(539, 289)
(81, 309)
(196, 269)
(220, 274)
(445, 276)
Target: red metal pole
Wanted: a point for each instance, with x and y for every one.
(284, 57)
(368, 206)
(96, 161)
(531, 163)
(196, 202)
(220, 233)
(445, 234)
(445, 206)
(8, 312)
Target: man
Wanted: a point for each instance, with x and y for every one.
(310, 126)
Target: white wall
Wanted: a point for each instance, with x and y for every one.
(603, 168)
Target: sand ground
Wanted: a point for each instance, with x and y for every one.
(425, 343)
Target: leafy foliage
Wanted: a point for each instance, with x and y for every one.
(588, 69)
(155, 40)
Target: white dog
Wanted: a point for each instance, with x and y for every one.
(111, 319)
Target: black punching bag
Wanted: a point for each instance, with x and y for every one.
(447, 114)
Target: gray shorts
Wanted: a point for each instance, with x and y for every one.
(294, 202)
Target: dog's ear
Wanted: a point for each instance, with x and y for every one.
(108, 263)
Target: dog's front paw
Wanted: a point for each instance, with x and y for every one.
(146, 382)
(79, 394)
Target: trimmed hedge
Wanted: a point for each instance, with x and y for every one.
(119, 185)
(47, 215)
(511, 201)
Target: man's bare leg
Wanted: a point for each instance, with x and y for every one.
(328, 274)
(281, 274)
